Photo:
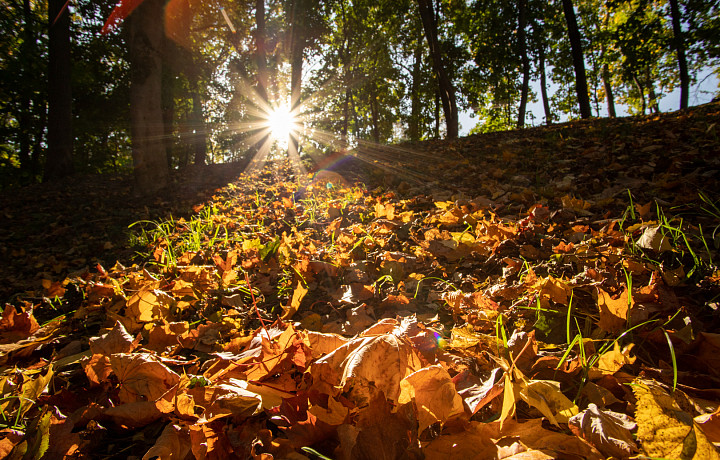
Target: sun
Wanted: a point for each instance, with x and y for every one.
(281, 123)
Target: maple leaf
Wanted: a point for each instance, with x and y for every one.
(433, 392)
(142, 376)
(609, 432)
(664, 430)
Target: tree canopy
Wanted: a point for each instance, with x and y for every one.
(353, 72)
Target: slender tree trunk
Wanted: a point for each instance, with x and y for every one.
(652, 96)
(522, 51)
(607, 85)
(168, 109)
(375, 115)
(27, 56)
(437, 114)
(297, 47)
(59, 162)
(346, 112)
(578, 59)
(605, 74)
(147, 127)
(679, 45)
(641, 90)
(415, 109)
(447, 92)
(200, 134)
(543, 88)
(260, 53)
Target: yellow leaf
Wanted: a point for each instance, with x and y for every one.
(611, 361)
(335, 414)
(613, 312)
(434, 394)
(297, 297)
(508, 407)
(545, 396)
(666, 431)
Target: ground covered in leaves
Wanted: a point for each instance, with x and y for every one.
(549, 293)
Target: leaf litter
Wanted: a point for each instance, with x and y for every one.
(546, 304)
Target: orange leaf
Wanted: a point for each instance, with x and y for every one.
(142, 376)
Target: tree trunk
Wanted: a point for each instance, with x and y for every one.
(543, 88)
(447, 92)
(415, 109)
(297, 50)
(168, 110)
(198, 125)
(679, 45)
(641, 90)
(375, 115)
(522, 51)
(652, 96)
(578, 59)
(59, 162)
(260, 53)
(28, 56)
(609, 98)
(437, 114)
(146, 120)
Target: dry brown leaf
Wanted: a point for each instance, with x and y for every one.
(147, 305)
(142, 376)
(117, 340)
(135, 414)
(15, 326)
(609, 432)
(298, 295)
(613, 312)
(434, 394)
(366, 365)
(653, 238)
(172, 444)
(710, 424)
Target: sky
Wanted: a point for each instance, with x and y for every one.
(700, 93)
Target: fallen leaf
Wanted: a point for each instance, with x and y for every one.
(433, 392)
(142, 376)
(653, 238)
(664, 430)
(610, 432)
(298, 295)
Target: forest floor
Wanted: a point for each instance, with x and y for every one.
(551, 292)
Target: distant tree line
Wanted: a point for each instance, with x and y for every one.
(179, 82)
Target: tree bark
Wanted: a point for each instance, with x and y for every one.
(297, 50)
(607, 85)
(447, 92)
(543, 88)
(641, 90)
(27, 56)
(146, 120)
(522, 50)
(260, 53)
(414, 125)
(198, 124)
(679, 45)
(578, 59)
(59, 161)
